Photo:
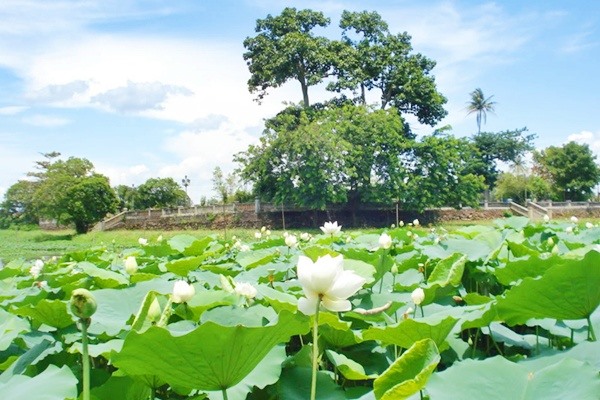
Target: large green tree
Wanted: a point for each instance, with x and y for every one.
(17, 207)
(285, 48)
(571, 168)
(160, 193)
(506, 146)
(68, 191)
(297, 161)
(369, 57)
(88, 201)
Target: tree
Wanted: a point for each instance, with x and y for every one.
(296, 161)
(126, 196)
(506, 146)
(226, 186)
(572, 169)
(369, 57)
(285, 48)
(481, 106)
(160, 193)
(518, 187)
(443, 173)
(88, 201)
(68, 191)
(17, 207)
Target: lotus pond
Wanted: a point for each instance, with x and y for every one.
(504, 311)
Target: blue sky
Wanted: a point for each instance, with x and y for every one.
(158, 88)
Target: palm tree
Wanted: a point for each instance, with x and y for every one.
(480, 105)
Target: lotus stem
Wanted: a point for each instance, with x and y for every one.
(591, 334)
(381, 258)
(85, 359)
(315, 355)
(166, 314)
(224, 390)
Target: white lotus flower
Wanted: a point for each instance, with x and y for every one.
(574, 219)
(385, 241)
(416, 222)
(257, 235)
(36, 269)
(268, 232)
(285, 234)
(131, 265)
(245, 289)
(417, 296)
(263, 229)
(159, 238)
(325, 282)
(143, 241)
(331, 228)
(569, 229)
(546, 218)
(291, 241)
(589, 225)
(401, 223)
(182, 292)
(392, 226)
(244, 247)
(305, 236)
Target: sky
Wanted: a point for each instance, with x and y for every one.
(150, 88)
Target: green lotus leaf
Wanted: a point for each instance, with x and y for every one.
(349, 368)
(448, 271)
(566, 291)
(252, 259)
(532, 267)
(10, 327)
(103, 278)
(123, 388)
(409, 373)
(295, 385)
(409, 331)
(211, 357)
(50, 312)
(500, 379)
(182, 266)
(53, 383)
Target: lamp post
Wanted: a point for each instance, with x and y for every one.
(185, 182)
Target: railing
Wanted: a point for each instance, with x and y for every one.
(537, 211)
(519, 209)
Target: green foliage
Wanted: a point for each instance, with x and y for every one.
(126, 196)
(572, 169)
(160, 193)
(68, 191)
(521, 187)
(285, 48)
(525, 310)
(369, 57)
(506, 146)
(88, 201)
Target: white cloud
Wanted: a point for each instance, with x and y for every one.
(587, 137)
(46, 121)
(136, 97)
(125, 175)
(60, 93)
(12, 110)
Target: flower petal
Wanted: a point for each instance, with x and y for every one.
(346, 284)
(325, 272)
(336, 305)
(308, 306)
(304, 271)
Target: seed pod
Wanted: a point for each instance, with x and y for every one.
(83, 304)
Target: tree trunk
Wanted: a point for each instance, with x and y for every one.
(304, 93)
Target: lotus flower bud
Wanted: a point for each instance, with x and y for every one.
(550, 241)
(143, 241)
(394, 269)
(417, 296)
(385, 241)
(416, 222)
(183, 292)
(154, 311)
(131, 265)
(589, 225)
(83, 304)
(546, 218)
(291, 241)
(574, 219)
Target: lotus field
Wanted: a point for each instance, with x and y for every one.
(506, 311)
